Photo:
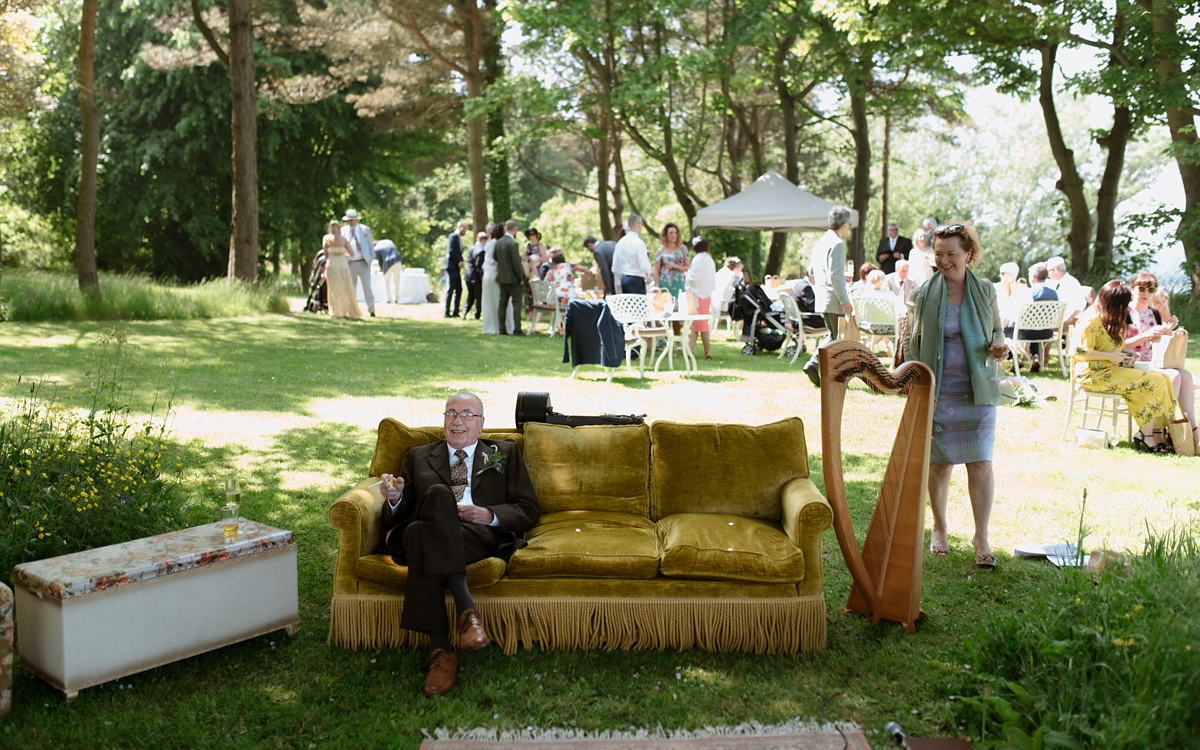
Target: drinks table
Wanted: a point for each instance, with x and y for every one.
(101, 614)
(689, 359)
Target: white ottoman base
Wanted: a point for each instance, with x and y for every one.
(104, 635)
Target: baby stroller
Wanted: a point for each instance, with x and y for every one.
(750, 302)
(318, 295)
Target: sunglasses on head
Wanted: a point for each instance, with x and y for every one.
(1148, 288)
(949, 230)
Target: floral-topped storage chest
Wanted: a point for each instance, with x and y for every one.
(105, 613)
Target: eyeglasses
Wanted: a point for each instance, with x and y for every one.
(949, 230)
(466, 416)
(1147, 288)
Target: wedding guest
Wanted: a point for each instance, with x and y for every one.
(900, 281)
(702, 281)
(955, 327)
(362, 252)
(1147, 326)
(631, 259)
(1107, 368)
(829, 282)
(453, 267)
(339, 284)
(474, 276)
(1068, 288)
(391, 266)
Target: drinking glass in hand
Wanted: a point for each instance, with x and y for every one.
(996, 353)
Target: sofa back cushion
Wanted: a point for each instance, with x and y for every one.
(395, 439)
(724, 468)
(596, 467)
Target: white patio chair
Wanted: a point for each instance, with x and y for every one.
(1039, 316)
(720, 312)
(545, 301)
(802, 332)
(633, 312)
(873, 313)
(1091, 403)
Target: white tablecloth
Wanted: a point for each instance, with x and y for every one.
(414, 286)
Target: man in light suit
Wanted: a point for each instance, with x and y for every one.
(892, 248)
(362, 252)
(510, 276)
(899, 282)
(456, 502)
(828, 268)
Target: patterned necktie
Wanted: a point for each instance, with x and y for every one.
(458, 474)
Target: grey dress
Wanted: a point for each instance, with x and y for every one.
(963, 431)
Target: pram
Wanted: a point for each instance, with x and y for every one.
(318, 294)
(750, 302)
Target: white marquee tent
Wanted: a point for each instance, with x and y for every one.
(770, 204)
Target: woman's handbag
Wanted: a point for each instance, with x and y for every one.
(1169, 352)
(849, 326)
(1181, 437)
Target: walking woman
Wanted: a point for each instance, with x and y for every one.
(702, 281)
(954, 327)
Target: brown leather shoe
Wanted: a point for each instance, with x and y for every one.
(471, 635)
(440, 674)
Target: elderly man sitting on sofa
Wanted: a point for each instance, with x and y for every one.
(456, 502)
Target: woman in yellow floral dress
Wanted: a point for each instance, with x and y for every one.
(1148, 395)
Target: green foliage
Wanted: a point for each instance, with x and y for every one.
(1113, 663)
(73, 480)
(49, 295)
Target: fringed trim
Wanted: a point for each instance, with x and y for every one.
(533, 734)
(761, 626)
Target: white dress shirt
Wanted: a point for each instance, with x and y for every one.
(631, 258)
(1070, 291)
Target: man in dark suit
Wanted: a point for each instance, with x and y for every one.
(892, 248)
(603, 253)
(1041, 291)
(806, 300)
(456, 502)
(474, 276)
(453, 267)
(510, 276)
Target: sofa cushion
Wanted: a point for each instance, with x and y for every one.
(395, 439)
(597, 467)
(381, 570)
(724, 468)
(588, 544)
(728, 547)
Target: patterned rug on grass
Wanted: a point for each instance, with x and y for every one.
(793, 735)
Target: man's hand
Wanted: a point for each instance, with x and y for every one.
(475, 514)
(392, 488)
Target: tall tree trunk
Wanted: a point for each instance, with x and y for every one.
(499, 182)
(602, 155)
(1069, 182)
(85, 209)
(886, 158)
(618, 202)
(475, 133)
(862, 165)
(243, 247)
(1106, 199)
(1184, 142)
(787, 107)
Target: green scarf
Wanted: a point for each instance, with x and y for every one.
(979, 317)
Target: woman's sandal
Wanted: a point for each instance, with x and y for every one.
(940, 549)
(1139, 444)
(985, 560)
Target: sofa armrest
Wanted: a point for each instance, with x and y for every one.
(806, 515)
(357, 517)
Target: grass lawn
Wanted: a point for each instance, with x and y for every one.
(290, 403)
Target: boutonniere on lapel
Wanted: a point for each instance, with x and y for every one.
(493, 461)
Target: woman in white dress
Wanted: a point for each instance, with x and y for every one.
(491, 290)
(920, 260)
(339, 285)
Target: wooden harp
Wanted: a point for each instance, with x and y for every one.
(887, 573)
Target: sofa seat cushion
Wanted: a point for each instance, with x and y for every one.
(588, 544)
(594, 467)
(728, 547)
(380, 569)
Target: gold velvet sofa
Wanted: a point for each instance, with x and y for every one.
(666, 535)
